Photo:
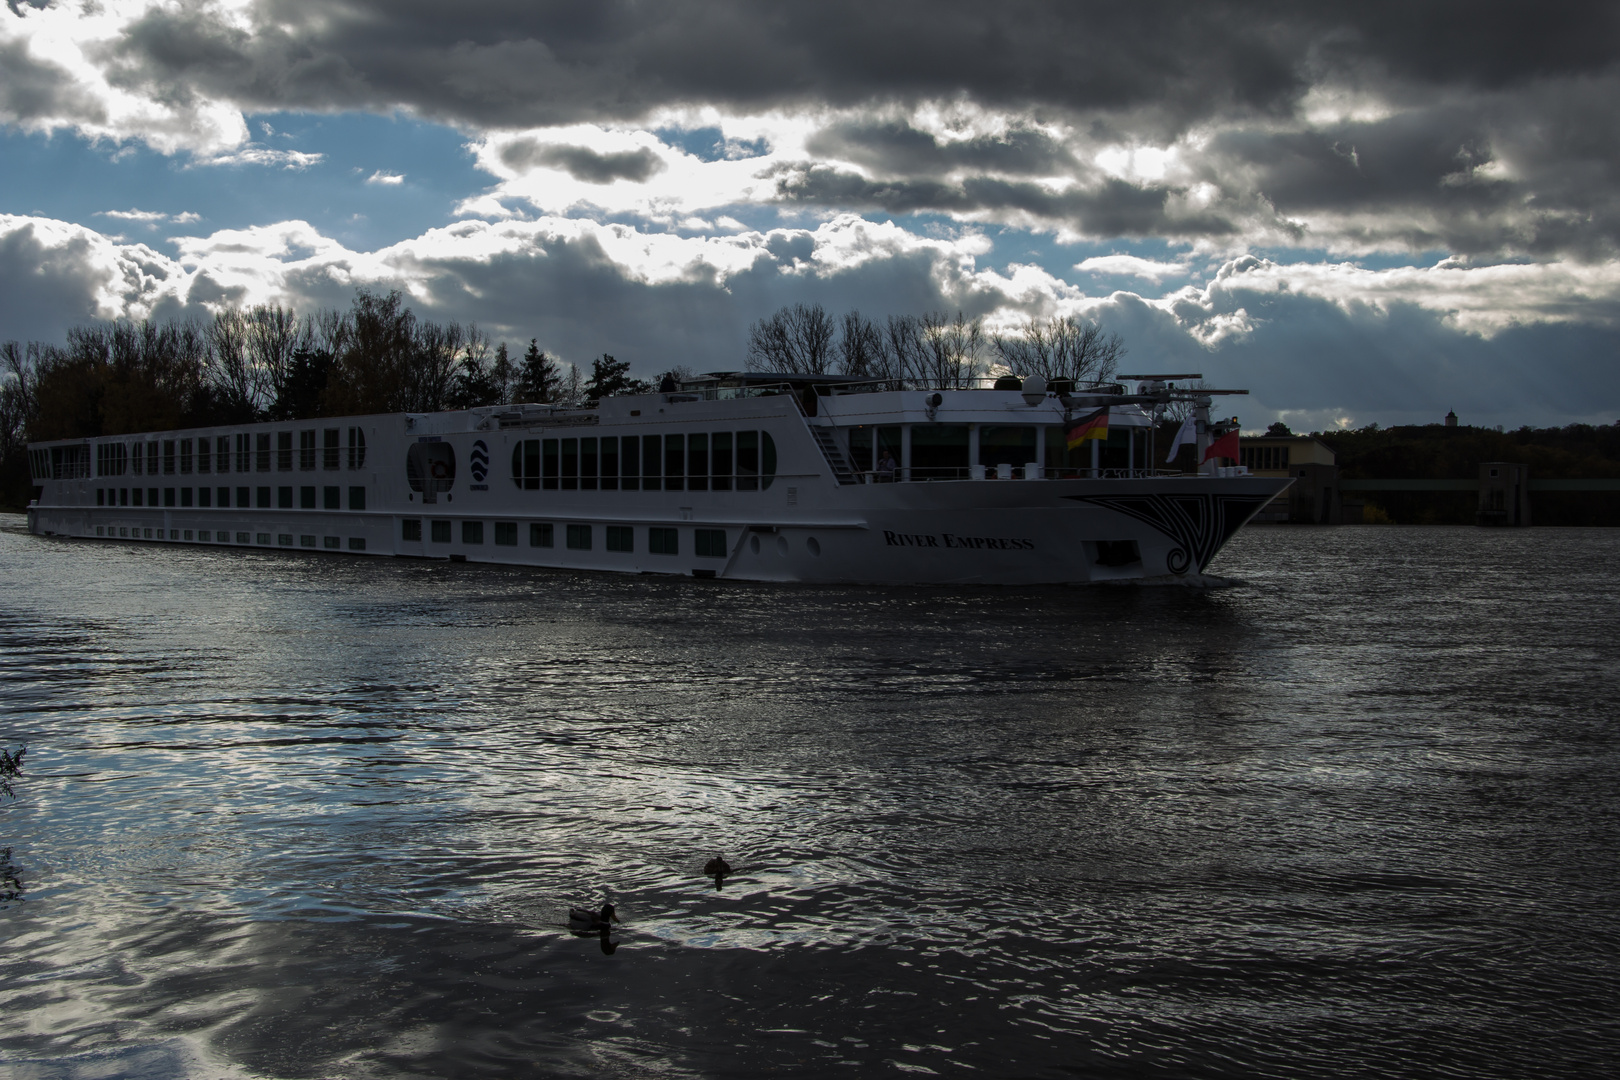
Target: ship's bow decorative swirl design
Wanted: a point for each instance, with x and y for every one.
(1199, 523)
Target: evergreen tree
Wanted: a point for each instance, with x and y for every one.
(302, 386)
(539, 380)
(503, 375)
(610, 378)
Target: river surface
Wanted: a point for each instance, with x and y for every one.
(1356, 813)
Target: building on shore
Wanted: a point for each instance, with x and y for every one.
(1314, 498)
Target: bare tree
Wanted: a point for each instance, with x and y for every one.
(1062, 347)
(271, 335)
(797, 339)
(17, 367)
(861, 348)
(238, 383)
(904, 353)
(951, 350)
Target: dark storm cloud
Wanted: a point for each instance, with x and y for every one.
(583, 163)
(1112, 208)
(900, 148)
(520, 63)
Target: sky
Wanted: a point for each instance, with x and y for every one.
(1361, 212)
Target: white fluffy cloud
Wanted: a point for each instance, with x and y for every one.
(1315, 342)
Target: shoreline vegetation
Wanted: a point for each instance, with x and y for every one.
(270, 363)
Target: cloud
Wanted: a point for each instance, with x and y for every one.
(151, 218)
(1501, 343)
(1351, 128)
(1132, 266)
(385, 178)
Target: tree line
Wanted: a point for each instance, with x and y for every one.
(935, 350)
(269, 362)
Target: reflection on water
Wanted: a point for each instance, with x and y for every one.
(1354, 814)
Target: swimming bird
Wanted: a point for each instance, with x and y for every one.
(583, 921)
(716, 867)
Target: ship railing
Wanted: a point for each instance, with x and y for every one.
(919, 474)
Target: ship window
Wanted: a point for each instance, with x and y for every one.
(709, 543)
(357, 498)
(720, 460)
(151, 459)
(222, 454)
(621, 538)
(526, 464)
(650, 467)
(939, 451)
(284, 498)
(185, 496)
(123, 496)
(306, 450)
(284, 455)
(332, 497)
(244, 457)
(333, 542)
(767, 460)
(430, 467)
(137, 461)
(242, 498)
(357, 543)
(674, 462)
(205, 457)
(284, 539)
(168, 496)
(357, 448)
(860, 449)
(548, 464)
(261, 452)
(244, 538)
(506, 533)
(329, 448)
(306, 498)
(138, 496)
(262, 498)
(111, 459)
(570, 464)
(306, 541)
(697, 462)
(151, 496)
(1013, 446)
(168, 457)
(540, 534)
(185, 455)
(410, 529)
(610, 463)
(587, 464)
(747, 461)
(630, 463)
(101, 497)
(579, 537)
(441, 532)
(472, 532)
(205, 496)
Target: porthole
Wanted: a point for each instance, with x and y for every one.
(782, 546)
(753, 544)
(813, 546)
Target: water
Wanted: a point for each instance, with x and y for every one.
(1353, 815)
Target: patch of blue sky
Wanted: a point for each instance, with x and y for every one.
(70, 178)
(710, 143)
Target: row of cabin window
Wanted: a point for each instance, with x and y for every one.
(718, 461)
(331, 497)
(253, 453)
(206, 536)
(707, 543)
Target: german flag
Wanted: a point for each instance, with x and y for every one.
(1093, 426)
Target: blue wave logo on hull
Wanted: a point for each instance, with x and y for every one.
(478, 461)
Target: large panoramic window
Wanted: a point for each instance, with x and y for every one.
(306, 450)
(284, 451)
(330, 449)
(718, 461)
(939, 452)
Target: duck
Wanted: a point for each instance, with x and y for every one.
(584, 921)
(716, 867)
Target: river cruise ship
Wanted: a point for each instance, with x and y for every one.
(749, 476)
